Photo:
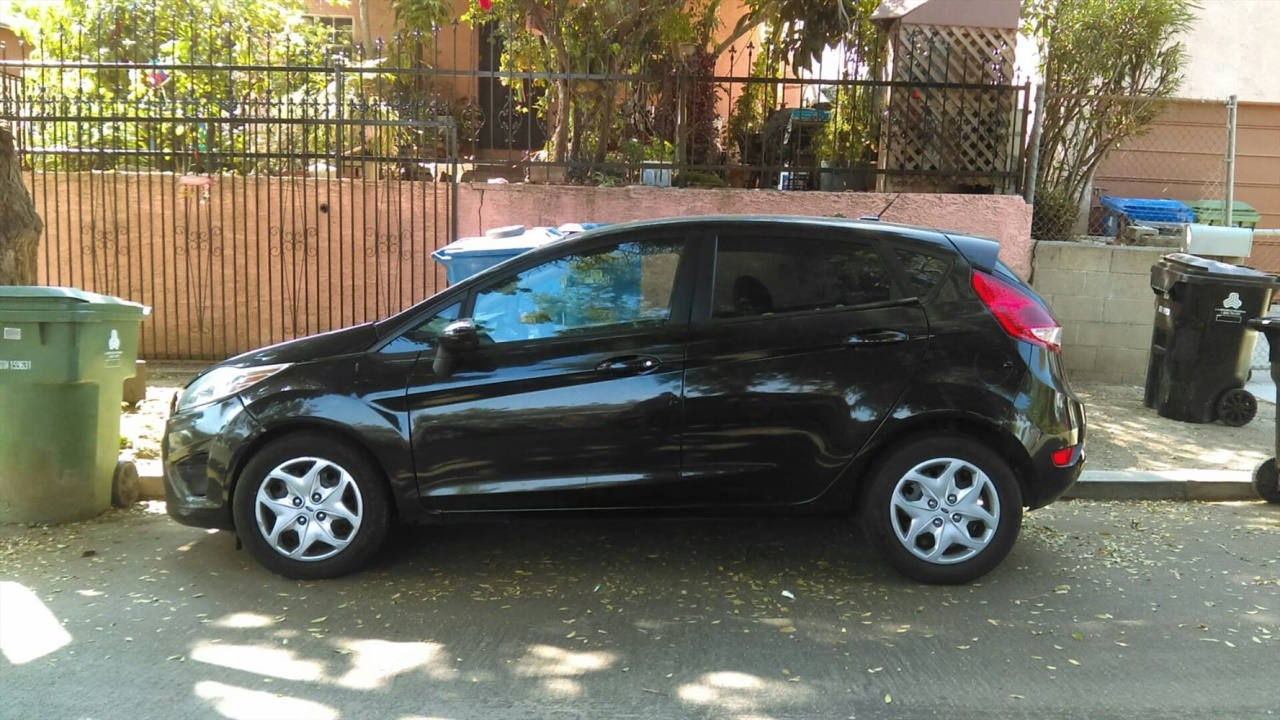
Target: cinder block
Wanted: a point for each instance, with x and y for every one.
(1069, 309)
(1135, 336)
(1101, 374)
(1133, 312)
(1070, 333)
(1060, 282)
(1046, 256)
(1079, 360)
(1093, 334)
(1113, 285)
(1085, 257)
(1136, 261)
(1123, 361)
(1138, 379)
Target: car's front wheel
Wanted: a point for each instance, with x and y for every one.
(943, 509)
(309, 506)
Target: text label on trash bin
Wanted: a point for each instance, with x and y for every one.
(13, 333)
(15, 364)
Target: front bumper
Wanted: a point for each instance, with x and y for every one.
(198, 453)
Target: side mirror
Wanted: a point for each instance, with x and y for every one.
(460, 336)
(457, 338)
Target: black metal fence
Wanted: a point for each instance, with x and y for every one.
(254, 196)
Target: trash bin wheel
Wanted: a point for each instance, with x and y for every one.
(125, 486)
(1266, 481)
(1236, 407)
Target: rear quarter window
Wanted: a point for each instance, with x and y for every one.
(924, 272)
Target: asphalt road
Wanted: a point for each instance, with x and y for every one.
(1104, 610)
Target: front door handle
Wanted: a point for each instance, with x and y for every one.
(629, 365)
(875, 337)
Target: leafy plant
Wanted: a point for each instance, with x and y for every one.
(1108, 65)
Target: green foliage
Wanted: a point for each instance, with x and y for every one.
(160, 56)
(422, 16)
(849, 138)
(1107, 66)
(802, 29)
(1053, 215)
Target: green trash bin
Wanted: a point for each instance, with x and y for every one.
(1209, 212)
(64, 356)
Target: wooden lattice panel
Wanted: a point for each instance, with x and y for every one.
(963, 137)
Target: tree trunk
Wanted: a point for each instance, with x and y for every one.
(366, 32)
(20, 226)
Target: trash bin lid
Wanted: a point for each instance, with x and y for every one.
(1181, 267)
(502, 246)
(1149, 209)
(38, 303)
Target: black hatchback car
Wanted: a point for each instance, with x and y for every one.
(802, 365)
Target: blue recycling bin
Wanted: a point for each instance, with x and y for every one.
(1135, 211)
(470, 255)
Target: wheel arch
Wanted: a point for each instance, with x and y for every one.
(339, 432)
(990, 434)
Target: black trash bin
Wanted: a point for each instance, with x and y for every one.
(1202, 346)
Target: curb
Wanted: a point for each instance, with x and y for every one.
(1199, 485)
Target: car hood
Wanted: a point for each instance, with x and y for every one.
(313, 347)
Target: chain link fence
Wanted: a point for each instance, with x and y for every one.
(1180, 154)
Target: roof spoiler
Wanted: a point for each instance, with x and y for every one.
(982, 253)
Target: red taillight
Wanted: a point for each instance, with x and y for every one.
(1063, 457)
(1018, 313)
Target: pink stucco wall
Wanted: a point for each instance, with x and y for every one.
(1003, 217)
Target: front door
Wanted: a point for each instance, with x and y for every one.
(578, 380)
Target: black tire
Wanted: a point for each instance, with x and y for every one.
(894, 490)
(1236, 407)
(353, 511)
(1266, 481)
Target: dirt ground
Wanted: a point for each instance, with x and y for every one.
(1123, 434)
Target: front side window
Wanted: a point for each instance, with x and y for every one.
(766, 275)
(423, 335)
(622, 287)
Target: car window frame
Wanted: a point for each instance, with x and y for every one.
(899, 270)
(681, 291)
(704, 300)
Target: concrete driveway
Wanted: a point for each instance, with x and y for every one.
(1104, 610)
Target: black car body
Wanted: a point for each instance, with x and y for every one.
(764, 363)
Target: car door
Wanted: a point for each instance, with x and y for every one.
(799, 347)
(578, 379)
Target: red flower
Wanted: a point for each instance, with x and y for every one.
(486, 5)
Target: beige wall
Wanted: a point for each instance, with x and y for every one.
(1232, 50)
(1003, 217)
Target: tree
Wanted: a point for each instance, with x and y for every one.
(801, 29)
(1108, 67)
(20, 225)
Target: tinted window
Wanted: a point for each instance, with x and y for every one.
(423, 336)
(760, 275)
(924, 271)
(620, 287)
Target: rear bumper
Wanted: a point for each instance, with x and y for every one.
(1053, 480)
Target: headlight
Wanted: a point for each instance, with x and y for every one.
(223, 382)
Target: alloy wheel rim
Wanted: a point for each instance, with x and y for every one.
(308, 509)
(945, 511)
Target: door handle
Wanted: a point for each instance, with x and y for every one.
(875, 337)
(629, 365)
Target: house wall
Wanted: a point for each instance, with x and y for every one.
(1003, 217)
(1231, 50)
(1102, 296)
(968, 13)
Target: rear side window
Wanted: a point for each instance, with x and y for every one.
(764, 275)
(924, 271)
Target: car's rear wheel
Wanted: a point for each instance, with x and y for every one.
(943, 509)
(309, 506)
(1266, 481)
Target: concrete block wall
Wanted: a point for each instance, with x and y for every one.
(1102, 295)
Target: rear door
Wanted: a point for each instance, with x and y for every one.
(799, 348)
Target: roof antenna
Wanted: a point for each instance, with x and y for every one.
(883, 210)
